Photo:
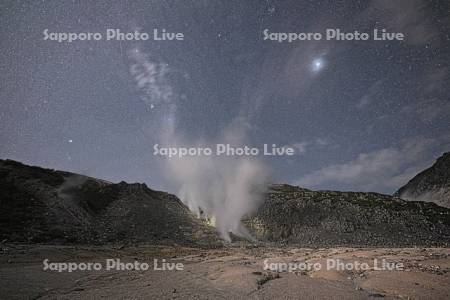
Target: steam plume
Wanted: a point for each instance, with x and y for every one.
(222, 189)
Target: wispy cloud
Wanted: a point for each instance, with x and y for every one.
(151, 78)
(382, 170)
(152, 82)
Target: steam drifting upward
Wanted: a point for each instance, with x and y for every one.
(222, 189)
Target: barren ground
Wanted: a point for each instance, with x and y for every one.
(235, 272)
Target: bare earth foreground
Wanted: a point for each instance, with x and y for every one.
(234, 272)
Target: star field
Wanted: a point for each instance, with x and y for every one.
(364, 115)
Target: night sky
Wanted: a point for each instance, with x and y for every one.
(362, 115)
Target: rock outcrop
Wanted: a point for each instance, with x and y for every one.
(327, 218)
(432, 185)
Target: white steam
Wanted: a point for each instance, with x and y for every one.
(222, 189)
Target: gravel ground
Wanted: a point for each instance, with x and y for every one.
(233, 272)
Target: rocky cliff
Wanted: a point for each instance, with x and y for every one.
(432, 185)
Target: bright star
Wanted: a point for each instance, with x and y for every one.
(317, 64)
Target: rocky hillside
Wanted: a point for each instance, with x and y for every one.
(431, 185)
(46, 206)
(326, 218)
(42, 205)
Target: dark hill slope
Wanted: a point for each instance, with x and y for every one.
(326, 218)
(42, 205)
(433, 184)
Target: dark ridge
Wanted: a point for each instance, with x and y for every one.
(46, 206)
(326, 218)
(432, 184)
